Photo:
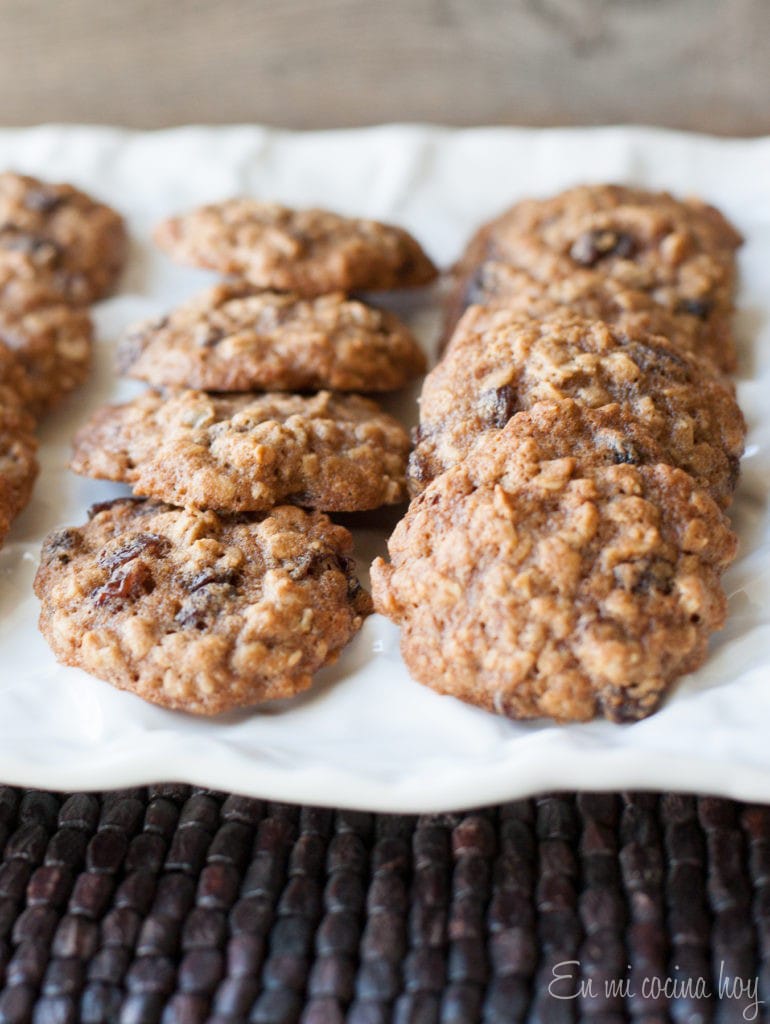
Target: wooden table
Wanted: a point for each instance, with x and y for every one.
(699, 64)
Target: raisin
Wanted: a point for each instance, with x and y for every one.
(208, 576)
(653, 579)
(192, 615)
(345, 564)
(208, 337)
(314, 564)
(127, 585)
(43, 200)
(625, 453)
(419, 468)
(354, 588)
(44, 249)
(595, 245)
(142, 543)
(61, 544)
(131, 349)
(735, 471)
(658, 359)
(204, 604)
(695, 307)
(627, 709)
(476, 291)
(498, 405)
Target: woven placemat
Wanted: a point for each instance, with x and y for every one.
(173, 904)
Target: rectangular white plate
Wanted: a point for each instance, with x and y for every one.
(367, 735)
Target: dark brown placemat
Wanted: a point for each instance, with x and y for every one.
(178, 905)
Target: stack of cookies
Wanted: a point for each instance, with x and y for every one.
(230, 585)
(59, 251)
(578, 445)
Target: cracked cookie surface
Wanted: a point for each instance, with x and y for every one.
(18, 457)
(249, 452)
(605, 436)
(231, 338)
(613, 252)
(695, 328)
(499, 364)
(56, 243)
(199, 612)
(575, 592)
(54, 346)
(306, 251)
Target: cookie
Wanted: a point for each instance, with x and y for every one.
(305, 251)
(199, 612)
(548, 431)
(56, 243)
(233, 339)
(18, 459)
(54, 346)
(499, 364)
(241, 453)
(15, 388)
(562, 595)
(676, 255)
(21, 289)
(696, 329)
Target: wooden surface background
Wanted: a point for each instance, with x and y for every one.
(700, 64)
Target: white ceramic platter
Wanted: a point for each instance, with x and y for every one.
(367, 735)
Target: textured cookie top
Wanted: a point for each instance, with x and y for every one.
(22, 288)
(499, 364)
(18, 446)
(18, 461)
(56, 241)
(54, 346)
(666, 253)
(697, 328)
(16, 389)
(560, 595)
(647, 241)
(607, 436)
(233, 339)
(199, 612)
(249, 452)
(306, 251)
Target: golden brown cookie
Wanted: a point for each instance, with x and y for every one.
(199, 612)
(694, 328)
(631, 250)
(21, 289)
(566, 594)
(16, 390)
(305, 251)
(239, 453)
(18, 459)
(607, 436)
(56, 243)
(499, 364)
(232, 338)
(54, 346)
